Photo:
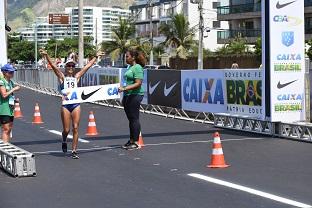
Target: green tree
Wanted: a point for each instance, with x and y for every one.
(61, 48)
(237, 46)
(159, 50)
(309, 51)
(122, 36)
(194, 51)
(20, 49)
(178, 35)
(258, 47)
(222, 51)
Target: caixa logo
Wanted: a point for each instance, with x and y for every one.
(112, 91)
(287, 97)
(203, 91)
(289, 57)
(70, 96)
(290, 21)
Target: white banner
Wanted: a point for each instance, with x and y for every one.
(90, 94)
(3, 49)
(203, 91)
(244, 94)
(287, 42)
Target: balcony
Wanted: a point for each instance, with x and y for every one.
(242, 8)
(239, 11)
(251, 35)
(307, 3)
(244, 11)
(308, 31)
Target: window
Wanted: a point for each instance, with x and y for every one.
(216, 24)
(215, 5)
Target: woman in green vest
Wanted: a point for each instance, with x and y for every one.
(7, 88)
(133, 94)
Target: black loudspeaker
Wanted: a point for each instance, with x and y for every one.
(7, 28)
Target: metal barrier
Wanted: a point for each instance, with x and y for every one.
(244, 123)
(47, 83)
(16, 161)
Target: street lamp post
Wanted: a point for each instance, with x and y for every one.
(36, 45)
(80, 20)
(201, 35)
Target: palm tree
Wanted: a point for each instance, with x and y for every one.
(178, 35)
(122, 36)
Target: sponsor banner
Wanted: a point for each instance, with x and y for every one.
(144, 84)
(203, 91)
(287, 64)
(90, 94)
(164, 88)
(244, 93)
(100, 76)
(3, 50)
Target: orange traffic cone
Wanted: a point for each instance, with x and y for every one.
(17, 109)
(141, 142)
(37, 116)
(91, 130)
(217, 157)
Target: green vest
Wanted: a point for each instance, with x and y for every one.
(133, 73)
(5, 108)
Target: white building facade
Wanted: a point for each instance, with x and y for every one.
(164, 9)
(97, 23)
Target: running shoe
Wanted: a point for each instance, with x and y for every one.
(125, 146)
(75, 155)
(132, 146)
(64, 147)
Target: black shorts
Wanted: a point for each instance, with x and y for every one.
(6, 119)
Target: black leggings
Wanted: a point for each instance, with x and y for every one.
(131, 105)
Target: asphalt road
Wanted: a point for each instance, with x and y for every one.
(157, 175)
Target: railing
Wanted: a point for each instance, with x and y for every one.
(307, 3)
(308, 29)
(242, 8)
(226, 34)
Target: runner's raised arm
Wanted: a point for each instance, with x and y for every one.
(88, 66)
(56, 70)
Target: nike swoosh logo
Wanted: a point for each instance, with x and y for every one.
(153, 88)
(167, 91)
(280, 6)
(280, 86)
(86, 96)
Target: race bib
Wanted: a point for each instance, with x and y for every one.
(70, 82)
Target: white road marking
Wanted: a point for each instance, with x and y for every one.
(250, 190)
(206, 141)
(69, 136)
(79, 150)
(160, 144)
